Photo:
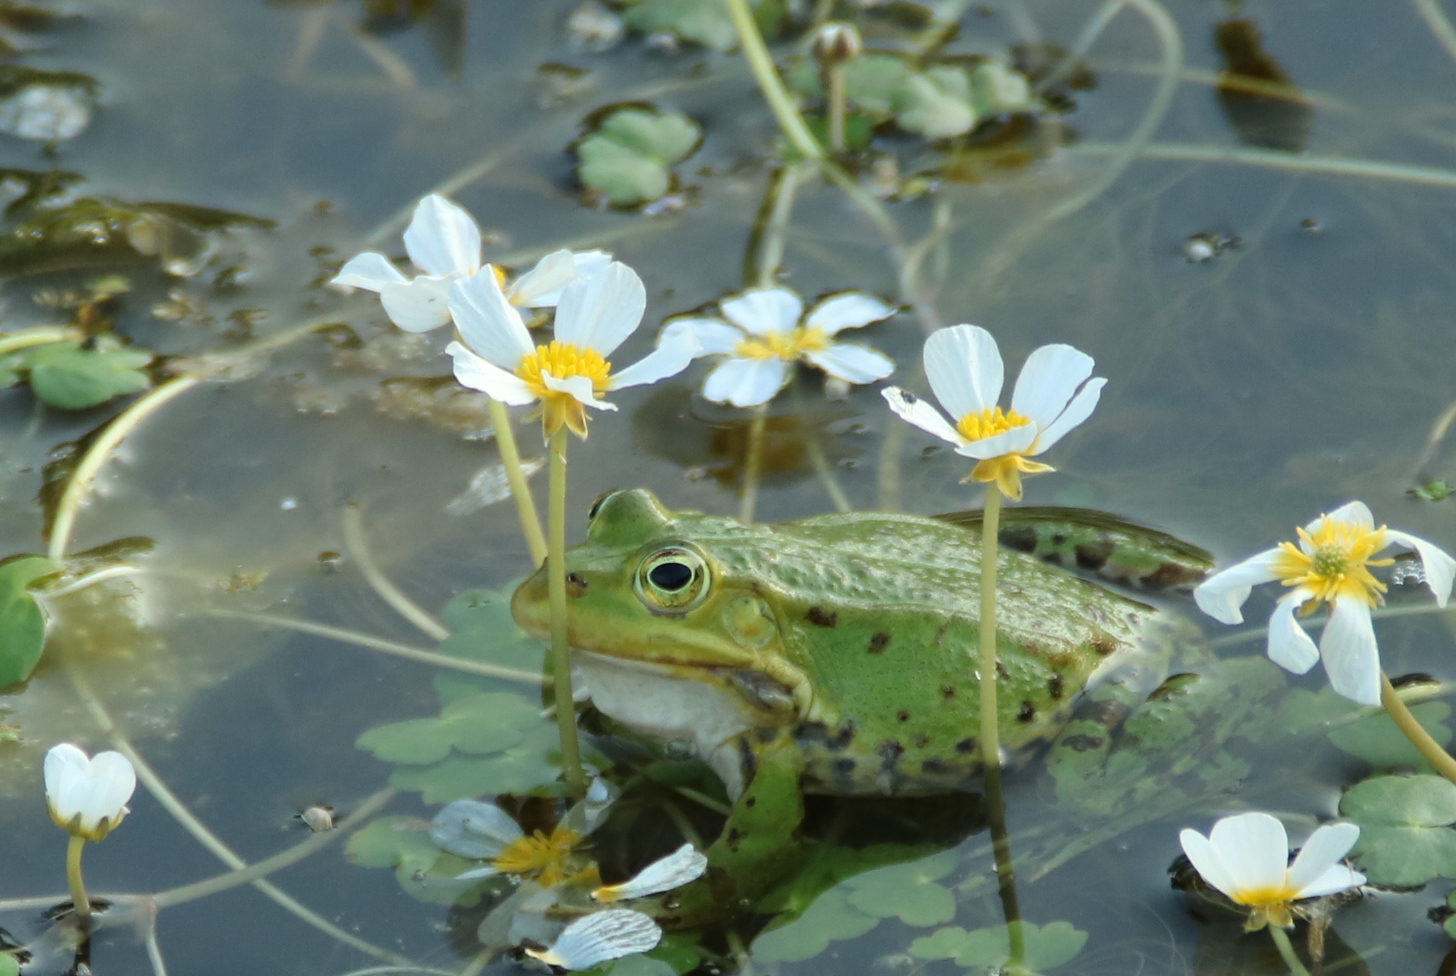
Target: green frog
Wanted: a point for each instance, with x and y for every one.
(836, 654)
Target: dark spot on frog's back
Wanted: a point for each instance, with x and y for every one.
(879, 642)
(1026, 713)
(810, 734)
(1094, 555)
(844, 767)
(1104, 644)
(1019, 537)
(935, 767)
(966, 746)
(819, 618)
(903, 715)
(734, 838)
(947, 692)
(1054, 687)
(890, 751)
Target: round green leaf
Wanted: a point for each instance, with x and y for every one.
(1376, 739)
(417, 741)
(702, 23)
(74, 376)
(1405, 833)
(936, 104)
(907, 891)
(626, 159)
(830, 919)
(989, 949)
(22, 621)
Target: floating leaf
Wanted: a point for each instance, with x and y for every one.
(989, 949)
(936, 104)
(1377, 740)
(523, 768)
(22, 621)
(9, 965)
(422, 869)
(704, 22)
(907, 891)
(75, 375)
(830, 919)
(998, 90)
(482, 629)
(1450, 922)
(872, 82)
(626, 159)
(1405, 828)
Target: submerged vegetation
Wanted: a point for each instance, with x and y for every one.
(278, 341)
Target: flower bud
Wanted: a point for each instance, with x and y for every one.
(837, 42)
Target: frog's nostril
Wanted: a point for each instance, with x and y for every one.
(575, 584)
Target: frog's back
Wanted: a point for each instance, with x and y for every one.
(882, 612)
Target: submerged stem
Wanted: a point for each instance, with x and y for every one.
(760, 62)
(990, 527)
(1412, 730)
(560, 636)
(753, 464)
(505, 439)
(358, 549)
(40, 335)
(79, 900)
(1286, 951)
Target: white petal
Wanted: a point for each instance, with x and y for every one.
(477, 874)
(481, 374)
(918, 413)
(443, 239)
(677, 869)
(1255, 850)
(1290, 645)
(579, 388)
(474, 829)
(1222, 595)
(1014, 441)
(65, 773)
(1325, 849)
(964, 368)
(1207, 861)
(590, 262)
(370, 271)
(668, 359)
(1356, 513)
(541, 287)
(1048, 380)
(113, 781)
(1338, 878)
(592, 811)
(489, 324)
(1352, 659)
(847, 311)
(851, 362)
(602, 309)
(418, 305)
(1077, 411)
(1440, 567)
(714, 336)
(599, 937)
(745, 382)
(764, 310)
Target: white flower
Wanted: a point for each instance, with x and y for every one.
(677, 869)
(601, 936)
(484, 832)
(769, 331)
(443, 241)
(597, 312)
(1330, 565)
(87, 797)
(1053, 395)
(1247, 858)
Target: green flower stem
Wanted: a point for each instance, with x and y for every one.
(760, 62)
(1419, 737)
(560, 637)
(753, 464)
(41, 335)
(834, 93)
(1286, 951)
(990, 527)
(505, 439)
(79, 899)
(1005, 871)
(99, 453)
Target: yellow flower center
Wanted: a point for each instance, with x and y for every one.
(539, 856)
(787, 346)
(1337, 564)
(563, 360)
(989, 423)
(1271, 906)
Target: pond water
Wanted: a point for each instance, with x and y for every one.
(1260, 267)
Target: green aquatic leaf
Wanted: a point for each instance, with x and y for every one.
(9, 965)
(989, 949)
(936, 103)
(1432, 491)
(476, 723)
(75, 375)
(830, 919)
(481, 629)
(874, 81)
(1377, 740)
(422, 869)
(1405, 828)
(907, 891)
(626, 159)
(999, 90)
(524, 768)
(1450, 922)
(704, 22)
(22, 620)
(414, 741)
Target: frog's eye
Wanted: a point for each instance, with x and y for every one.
(674, 579)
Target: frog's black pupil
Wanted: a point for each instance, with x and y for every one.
(670, 576)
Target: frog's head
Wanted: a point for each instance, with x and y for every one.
(645, 586)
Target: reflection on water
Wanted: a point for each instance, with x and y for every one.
(186, 177)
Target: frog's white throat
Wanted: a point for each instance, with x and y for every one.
(656, 700)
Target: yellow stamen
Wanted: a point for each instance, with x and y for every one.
(1007, 469)
(539, 856)
(562, 360)
(990, 422)
(1337, 565)
(1271, 906)
(787, 346)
